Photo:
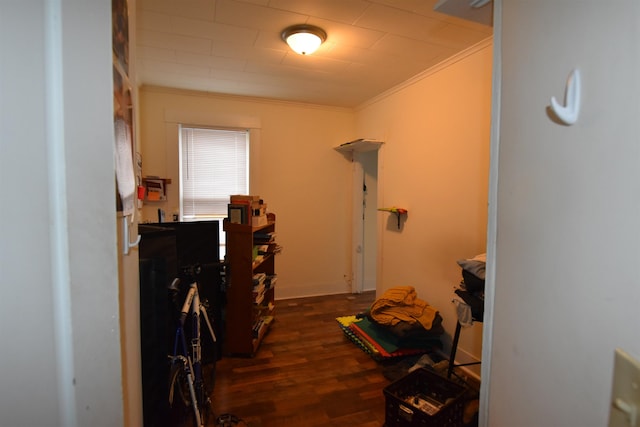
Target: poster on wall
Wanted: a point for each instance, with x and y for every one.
(123, 131)
(120, 34)
(122, 110)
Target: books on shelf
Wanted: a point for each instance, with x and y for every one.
(248, 210)
(260, 238)
(260, 326)
(257, 260)
(259, 298)
(155, 189)
(261, 249)
(259, 221)
(259, 278)
(237, 213)
(251, 293)
(259, 287)
(244, 198)
(268, 248)
(270, 281)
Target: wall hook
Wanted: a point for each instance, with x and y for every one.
(568, 114)
(126, 244)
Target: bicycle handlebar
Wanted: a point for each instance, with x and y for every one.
(190, 272)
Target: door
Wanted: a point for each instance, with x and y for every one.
(564, 220)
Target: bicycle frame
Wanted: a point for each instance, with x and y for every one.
(192, 361)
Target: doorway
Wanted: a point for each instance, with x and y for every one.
(369, 244)
(364, 240)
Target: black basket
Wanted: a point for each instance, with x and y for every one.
(424, 398)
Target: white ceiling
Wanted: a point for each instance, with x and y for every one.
(234, 46)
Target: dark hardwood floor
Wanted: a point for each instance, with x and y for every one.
(306, 372)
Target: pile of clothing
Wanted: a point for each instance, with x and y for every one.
(404, 319)
(470, 305)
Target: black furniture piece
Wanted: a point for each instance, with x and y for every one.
(157, 264)
(165, 249)
(477, 314)
(197, 243)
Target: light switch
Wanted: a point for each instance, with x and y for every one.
(625, 394)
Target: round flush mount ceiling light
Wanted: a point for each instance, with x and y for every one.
(304, 39)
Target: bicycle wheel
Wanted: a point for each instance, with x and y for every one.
(179, 396)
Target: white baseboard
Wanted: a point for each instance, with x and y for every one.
(463, 357)
(310, 290)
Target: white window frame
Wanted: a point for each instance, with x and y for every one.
(214, 172)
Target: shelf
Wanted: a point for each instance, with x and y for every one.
(397, 211)
(244, 228)
(247, 322)
(155, 178)
(359, 145)
(258, 263)
(262, 331)
(155, 188)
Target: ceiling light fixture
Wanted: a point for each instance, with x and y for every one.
(304, 39)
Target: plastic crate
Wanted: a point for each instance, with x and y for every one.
(425, 399)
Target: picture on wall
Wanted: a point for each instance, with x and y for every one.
(123, 132)
(123, 110)
(120, 33)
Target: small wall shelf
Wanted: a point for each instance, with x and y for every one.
(397, 211)
(359, 145)
(155, 188)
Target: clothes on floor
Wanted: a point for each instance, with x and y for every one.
(401, 303)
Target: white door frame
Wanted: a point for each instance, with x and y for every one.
(357, 234)
(352, 150)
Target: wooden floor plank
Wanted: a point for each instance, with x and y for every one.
(306, 372)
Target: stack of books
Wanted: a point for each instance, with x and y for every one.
(270, 281)
(248, 210)
(261, 325)
(260, 238)
(259, 287)
(155, 189)
(264, 249)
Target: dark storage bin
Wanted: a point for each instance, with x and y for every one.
(425, 399)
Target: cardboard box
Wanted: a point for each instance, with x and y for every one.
(259, 221)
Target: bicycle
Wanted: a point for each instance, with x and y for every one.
(187, 388)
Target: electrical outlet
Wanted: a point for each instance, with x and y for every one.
(625, 394)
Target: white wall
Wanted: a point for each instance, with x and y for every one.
(435, 163)
(294, 169)
(567, 215)
(58, 265)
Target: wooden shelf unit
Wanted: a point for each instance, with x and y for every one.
(242, 312)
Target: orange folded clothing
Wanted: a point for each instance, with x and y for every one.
(401, 303)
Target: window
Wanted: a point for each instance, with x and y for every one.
(214, 164)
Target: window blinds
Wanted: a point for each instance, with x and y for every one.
(214, 164)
